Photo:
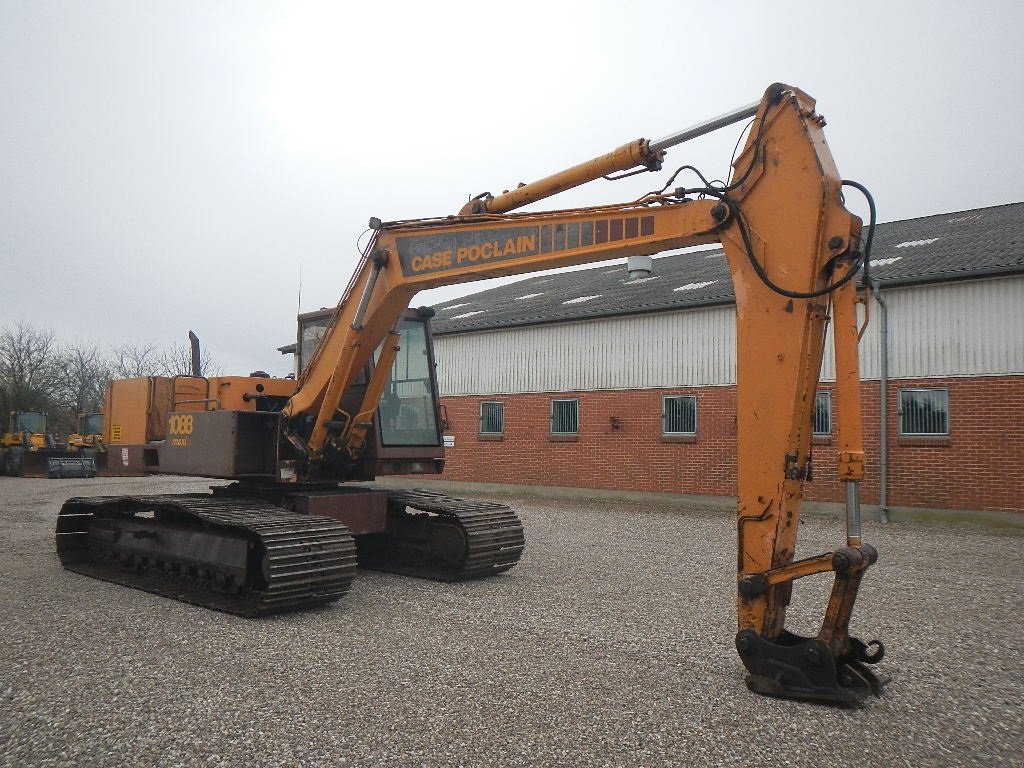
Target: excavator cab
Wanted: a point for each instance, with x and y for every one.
(407, 413)
(312, 327)
(28, 426)
(88, 434)
(404, 436)
(90, 424)
(408, 410)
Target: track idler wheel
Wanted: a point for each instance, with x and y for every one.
(795, 667)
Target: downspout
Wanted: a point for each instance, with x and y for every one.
(883, 409)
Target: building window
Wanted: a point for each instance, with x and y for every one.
(565, 417)
(924, 412)
(821, 419)
(492, 418)
(679, 415)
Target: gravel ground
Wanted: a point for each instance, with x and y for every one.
(610, 644)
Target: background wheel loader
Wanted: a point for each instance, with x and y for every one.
(27, 449)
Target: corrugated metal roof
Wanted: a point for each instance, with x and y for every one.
(932, 249)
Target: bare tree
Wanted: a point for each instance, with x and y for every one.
(132, 360)
(176, 360)
(129, 361)
(84, 372)
(38, 374)
(29, 369)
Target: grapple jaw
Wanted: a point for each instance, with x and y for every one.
(795, 667)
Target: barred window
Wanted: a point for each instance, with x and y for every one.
(821, 419)
(565, 417)
(924, 411)
(679, 415)
(492, 418)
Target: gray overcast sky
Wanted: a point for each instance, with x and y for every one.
(173, 165)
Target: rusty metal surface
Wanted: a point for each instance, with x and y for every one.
(122, 461)
(361, 511)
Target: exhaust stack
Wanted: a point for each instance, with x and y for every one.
(197, 363)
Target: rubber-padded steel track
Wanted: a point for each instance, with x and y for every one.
(438, 537)
(282, 561)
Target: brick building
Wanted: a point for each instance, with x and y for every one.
(590, 379)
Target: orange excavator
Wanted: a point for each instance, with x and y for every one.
(289, 531)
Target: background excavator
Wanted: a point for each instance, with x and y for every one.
(288, 532)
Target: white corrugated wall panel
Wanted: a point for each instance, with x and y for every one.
(692, 348)
(970, 328)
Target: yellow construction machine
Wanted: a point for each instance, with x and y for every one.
(89, 433)
(27, 449)
(288, 532)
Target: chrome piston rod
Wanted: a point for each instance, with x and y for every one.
(853, 537)
(706, 127)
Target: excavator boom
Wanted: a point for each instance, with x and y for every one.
(793, 251)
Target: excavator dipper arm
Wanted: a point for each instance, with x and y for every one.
(793, 250)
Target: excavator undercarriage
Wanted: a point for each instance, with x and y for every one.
(238, 555)
(236, 552)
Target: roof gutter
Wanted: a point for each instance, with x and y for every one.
(951, 276)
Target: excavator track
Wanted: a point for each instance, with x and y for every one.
(239, 555)
(432, 536)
